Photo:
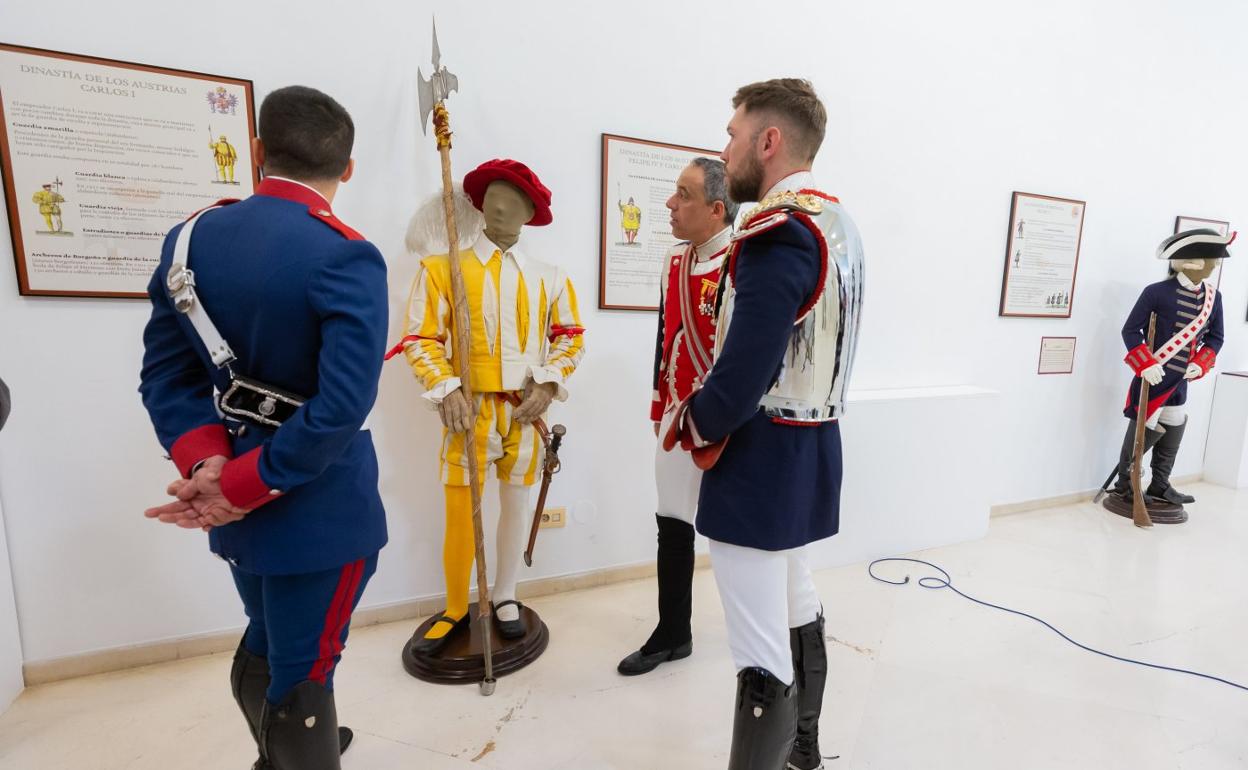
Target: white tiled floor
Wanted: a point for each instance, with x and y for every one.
(920, 679)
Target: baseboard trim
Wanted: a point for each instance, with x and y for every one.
(122, 658)
(1009, 509)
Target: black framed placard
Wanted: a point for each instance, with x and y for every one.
(1041, 256)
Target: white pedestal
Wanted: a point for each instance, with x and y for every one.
(902, 491)
(1226, 451)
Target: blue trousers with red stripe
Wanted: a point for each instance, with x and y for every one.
(300, 622)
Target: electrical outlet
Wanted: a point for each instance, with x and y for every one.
(554, 517)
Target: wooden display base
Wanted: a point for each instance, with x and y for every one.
(1160, 511)
(461, 661)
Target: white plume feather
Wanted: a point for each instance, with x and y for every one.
(426, 231)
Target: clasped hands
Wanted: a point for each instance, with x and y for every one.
(200, 503)
(457, 414)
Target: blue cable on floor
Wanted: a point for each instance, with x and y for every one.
(936, 583)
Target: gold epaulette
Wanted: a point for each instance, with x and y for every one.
(787, 200)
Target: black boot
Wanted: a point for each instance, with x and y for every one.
(1151, 437)
(301, 733)
(249, 681)
(673, 637)
(1164, 455)
(765, 724)
(810, 670)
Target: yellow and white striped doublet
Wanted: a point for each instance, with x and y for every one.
(516, 450)
(525, 322)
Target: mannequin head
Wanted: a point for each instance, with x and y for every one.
(1196, 270)
(507, 209)
(509, 196)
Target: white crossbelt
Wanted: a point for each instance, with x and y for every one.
(1187, 335)
(181, 285)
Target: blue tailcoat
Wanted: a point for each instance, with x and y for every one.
(775, 486)
(302, 301)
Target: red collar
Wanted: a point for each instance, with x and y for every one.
(292, 191)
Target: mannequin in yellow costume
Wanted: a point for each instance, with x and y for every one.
(526, 341)
(226, 156)
(50, 207)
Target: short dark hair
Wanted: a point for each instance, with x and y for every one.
(715, 187)
(306, 134)
(793, 100)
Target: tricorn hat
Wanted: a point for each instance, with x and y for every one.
(1202, 243)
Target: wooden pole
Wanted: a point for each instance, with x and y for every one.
(461, 341)
(1139, 511)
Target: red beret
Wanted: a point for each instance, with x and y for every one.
(515, 172)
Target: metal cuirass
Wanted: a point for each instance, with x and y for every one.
(814, 373)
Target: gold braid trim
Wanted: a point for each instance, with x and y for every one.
(787, 200)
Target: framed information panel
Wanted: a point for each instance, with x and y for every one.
(100, 158)
(638, 176)
(1041, 256)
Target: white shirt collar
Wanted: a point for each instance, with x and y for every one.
(484, 248)
(301, 184)
(713, 245)
(800, 180)
(1186, 282)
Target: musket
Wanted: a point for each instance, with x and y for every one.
(1139, 511)
(553, 439)
(432, 94)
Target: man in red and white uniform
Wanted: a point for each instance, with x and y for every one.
(702, 216)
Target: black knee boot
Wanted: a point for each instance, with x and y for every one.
(765, 723)
(249, 681)
(810, 670)
(301, 732)
(1164, 455)
(673, 636)
(1151, 437)
(675, 568)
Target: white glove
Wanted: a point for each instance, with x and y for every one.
(1193, 372)
(1153, 374)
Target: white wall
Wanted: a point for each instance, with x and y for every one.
(938, 111)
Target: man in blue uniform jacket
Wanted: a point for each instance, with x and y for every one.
(765, 425)
(276, 303)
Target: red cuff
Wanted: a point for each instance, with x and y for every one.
(1140, 358)
(200, 444)
(1205, 359)
(241, 483)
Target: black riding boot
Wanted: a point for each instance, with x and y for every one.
(1151, 437)
(673, 636)
(810, 670)
(301, 733)
(765, 724)
(1164, 455)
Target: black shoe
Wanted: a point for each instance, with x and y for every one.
(765, 724)
(509, 629)
(427, 646)
(1169, 494)
(641, 663)
(301, 732)
(810, 675)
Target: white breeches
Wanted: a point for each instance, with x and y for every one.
(764, 593)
